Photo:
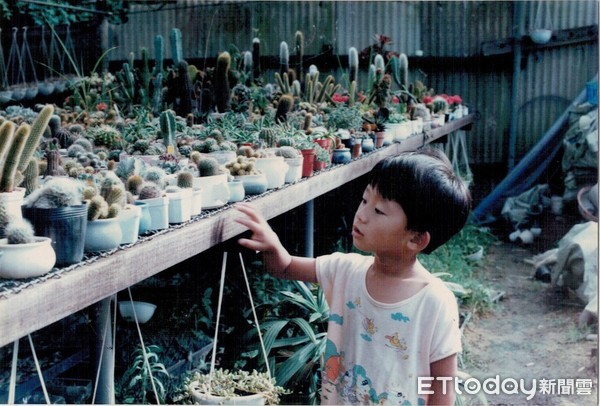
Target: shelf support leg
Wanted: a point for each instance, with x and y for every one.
(105, 392)
(309, 227)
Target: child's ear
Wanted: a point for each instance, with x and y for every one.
(419, 241)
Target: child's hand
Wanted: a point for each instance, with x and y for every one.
(263, 238)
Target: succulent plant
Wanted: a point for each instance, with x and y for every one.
(134, 184)
(19, 232)
(56, 192)
(288, 152)
(149, 190)
(185, 179)
(155, 174)
(208, 167)
(222, 89)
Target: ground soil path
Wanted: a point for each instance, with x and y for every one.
(532, 332)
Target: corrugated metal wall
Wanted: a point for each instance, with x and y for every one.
(450, 30)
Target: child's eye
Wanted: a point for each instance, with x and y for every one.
(378, 211)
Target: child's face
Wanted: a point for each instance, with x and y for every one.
(380, 225)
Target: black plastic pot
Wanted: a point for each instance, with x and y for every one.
(66, 226)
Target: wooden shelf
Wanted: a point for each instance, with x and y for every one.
(41, 304)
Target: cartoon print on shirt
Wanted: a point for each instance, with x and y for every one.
(397, 344)
(356, 387)
(370, 329)
(334, 366)
(353, 304)
(336, 318)
(400, 317)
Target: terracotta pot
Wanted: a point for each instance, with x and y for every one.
(308, 163)
(356, 150)
(379, 138)
(319, 165)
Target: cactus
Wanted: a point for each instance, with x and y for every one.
(35, 135)
(185, 180)
(439, 105)
(156, 175)
(56, 192)
(145, 78)
(159, 55)
(195, 157)
(85, 143)
(134, 184)
(183, 90)
(54, 124)
(286, 104)
(352, 94)
(97, 208)
(352, 64)
(299, 48)
(288, 152)
(268, 136)
(113, 211)
(149, 190)
(248, 68)
(19, 232)
(222, 89)
(167, 128)
(307, 124)
(105, 135)
(283, 82)
(127, 80)
(176, 47)
(208, 167)
(255, 58)
(7, 133)
(89, 192)
(30, 176)
(284, 58)
(12, 158)
(172, 189)
(371, 74)
(157, 96)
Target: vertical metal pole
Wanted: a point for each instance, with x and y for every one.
(105, 393)
(514, 107)
(309, 227)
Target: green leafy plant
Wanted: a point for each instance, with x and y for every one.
(135, 385)
(294, 333)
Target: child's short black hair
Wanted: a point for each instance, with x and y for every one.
(433, 197)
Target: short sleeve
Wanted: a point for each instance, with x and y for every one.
(446, 338)
(338, 266)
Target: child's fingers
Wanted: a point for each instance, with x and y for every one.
(250, 211)
(251, 244)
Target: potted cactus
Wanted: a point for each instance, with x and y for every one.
(56, 211)
(293, 158)
(22, 254)
(17, 163)
(158, 205)
(105, 204)
(212, 180)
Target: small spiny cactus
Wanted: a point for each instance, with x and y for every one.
(19, 232)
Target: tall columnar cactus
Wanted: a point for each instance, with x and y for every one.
(299, 50)
(255, 58)
(159, 55)
(284, 58)
(167, 128)
(7, 133)
(283, 82)
(35, 135)
(352, 93)
(248, 68)
(30, 176)
(12, 159)
(285, 105)
(176, 47)
(222, 89)
(145, 78)
(183, 90)
(127, 79)
(399, 69)
(371, 77)
(352, 64)
(157, 95)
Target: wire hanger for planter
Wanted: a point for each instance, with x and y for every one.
(215, 340)
(32, 88)
(13, 372)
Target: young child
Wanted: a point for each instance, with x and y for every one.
(390, 321)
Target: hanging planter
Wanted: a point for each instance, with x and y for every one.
(541, 31)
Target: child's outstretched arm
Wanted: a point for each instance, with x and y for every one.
(278, 260)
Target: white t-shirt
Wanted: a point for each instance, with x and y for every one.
(375, 351)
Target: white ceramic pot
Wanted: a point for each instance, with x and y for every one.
(18, 261)
(236, 190)
(130, 218)
(103, 235)
(143, 311)
(159, 212)
(180, 206)
(223, 157)
(215, 192)
(274, 169)
(206, 399)
(294, 172)
(196, 201)
(254, 184)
